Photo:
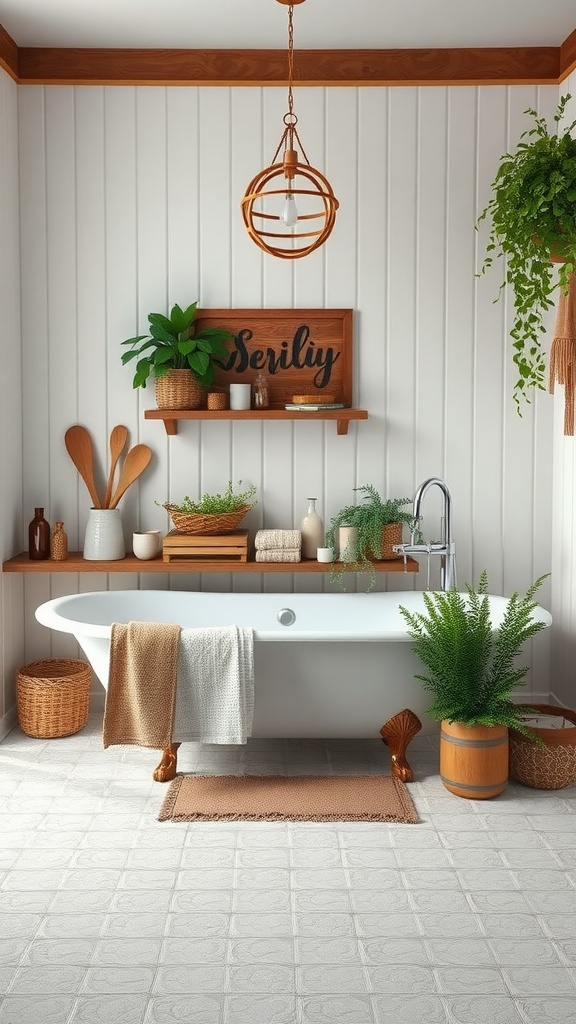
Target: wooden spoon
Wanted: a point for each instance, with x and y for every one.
(118, 438)
(135, 463)
(79, 447)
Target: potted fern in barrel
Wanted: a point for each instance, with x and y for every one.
(470, 668)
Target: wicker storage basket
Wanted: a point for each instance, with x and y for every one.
(53, 697)
(178, 389)
(549, 767)
(391, 534)
(208, 526)
(217, 400)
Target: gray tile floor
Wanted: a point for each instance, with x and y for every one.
(108, 916)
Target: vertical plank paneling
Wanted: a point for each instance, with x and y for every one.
(564, 531)
(130, 201)
(11, 604)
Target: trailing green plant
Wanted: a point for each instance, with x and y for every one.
(471, 666)
(174, 343)
(369, 516)
(216, 504)
(532, 212)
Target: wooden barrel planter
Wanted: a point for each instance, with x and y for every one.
(474, 759)
(552, 766)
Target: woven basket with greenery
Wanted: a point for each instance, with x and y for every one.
(178, 389)
(207, 525)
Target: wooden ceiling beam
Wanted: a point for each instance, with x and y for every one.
(482, 66)
(568, 55)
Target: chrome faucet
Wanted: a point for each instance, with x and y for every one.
(445, 547)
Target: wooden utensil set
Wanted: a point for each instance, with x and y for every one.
(81, 450)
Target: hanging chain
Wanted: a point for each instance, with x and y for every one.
(290, 61)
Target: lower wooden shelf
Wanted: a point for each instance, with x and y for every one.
(76, 563)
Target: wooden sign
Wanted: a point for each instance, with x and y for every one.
(300, 351)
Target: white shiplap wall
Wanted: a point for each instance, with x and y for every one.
(11, 604)
(563, 676)
(130, 201)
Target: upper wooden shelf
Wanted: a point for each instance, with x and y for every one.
(171, 416)
(76, 563)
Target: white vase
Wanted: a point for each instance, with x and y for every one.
(104, 537)
(312, 530)
(347, 543)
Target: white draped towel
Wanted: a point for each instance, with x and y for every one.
(215, 685)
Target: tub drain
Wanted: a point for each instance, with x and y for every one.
(286, 617)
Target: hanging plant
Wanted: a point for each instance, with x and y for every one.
(533, 218)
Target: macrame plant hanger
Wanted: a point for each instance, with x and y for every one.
(563, 352)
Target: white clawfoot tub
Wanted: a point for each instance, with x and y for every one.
(325, 665)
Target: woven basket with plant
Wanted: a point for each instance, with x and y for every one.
(213, 514)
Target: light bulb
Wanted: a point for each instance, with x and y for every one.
(289, 213)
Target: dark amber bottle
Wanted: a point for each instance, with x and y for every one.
(39, 536)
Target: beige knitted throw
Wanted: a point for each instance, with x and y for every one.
(141, 693)
(563, 353)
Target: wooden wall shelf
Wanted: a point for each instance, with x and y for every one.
(171, 416)
(76, 563)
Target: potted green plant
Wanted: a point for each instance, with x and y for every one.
(378, 522)
(179, 355)
(212, 513)
(532, 215)
(471, 672)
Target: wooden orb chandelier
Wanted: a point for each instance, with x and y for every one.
(289, 208)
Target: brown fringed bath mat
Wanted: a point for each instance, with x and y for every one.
(288, 798)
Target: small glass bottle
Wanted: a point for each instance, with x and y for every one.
(39, 536)
(59, 543)
(312, 530)
(260, 396)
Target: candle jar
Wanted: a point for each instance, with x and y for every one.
(260, 395)
(348, 544)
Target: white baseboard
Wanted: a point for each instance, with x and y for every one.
(8, 722)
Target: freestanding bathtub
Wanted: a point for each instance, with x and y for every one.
(325, 665)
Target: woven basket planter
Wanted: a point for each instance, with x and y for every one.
(53, 697)
(549, 767)
(178, 389)
(391, 534)
(207, 526)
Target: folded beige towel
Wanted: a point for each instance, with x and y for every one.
(278, 555)
(277, 539)
(141, 693)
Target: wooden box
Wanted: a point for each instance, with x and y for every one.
(224, 547)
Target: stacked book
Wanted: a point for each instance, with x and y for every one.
(313, 403)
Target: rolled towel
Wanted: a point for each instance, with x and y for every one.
(278, 555)
(277, 540)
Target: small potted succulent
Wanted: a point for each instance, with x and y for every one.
(532, 216)
(179, 355)
(378, 524)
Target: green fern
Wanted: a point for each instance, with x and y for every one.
(369, 517)
(470, 667)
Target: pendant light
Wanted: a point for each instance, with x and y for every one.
(289, 208)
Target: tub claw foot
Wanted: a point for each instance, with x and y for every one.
(166, 770)
(396, 733)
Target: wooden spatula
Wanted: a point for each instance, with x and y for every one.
(79, 447)
(118, 438)
(134, 464)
